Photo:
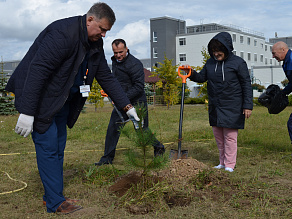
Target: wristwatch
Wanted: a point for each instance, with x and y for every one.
(128, 107)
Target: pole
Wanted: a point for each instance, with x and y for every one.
(181, 121)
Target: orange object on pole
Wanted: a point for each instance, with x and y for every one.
(185, 68)
(103, 93)
(181, 154)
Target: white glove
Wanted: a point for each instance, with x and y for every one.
(24, 125)
(131, 113)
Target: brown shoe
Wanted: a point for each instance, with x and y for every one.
(71, 201)
(67, 208)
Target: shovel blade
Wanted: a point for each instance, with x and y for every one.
(173, 155)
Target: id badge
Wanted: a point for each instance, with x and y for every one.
(84, 90)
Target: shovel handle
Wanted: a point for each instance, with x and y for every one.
(184, 77)
(103, 93)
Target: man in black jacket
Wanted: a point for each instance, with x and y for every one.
(51, 85)
(130, 73)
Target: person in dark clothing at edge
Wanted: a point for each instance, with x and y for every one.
(281, 52)
(51, 84)
(230, 96)
(130, 73)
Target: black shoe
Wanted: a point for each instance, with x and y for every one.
(100, 163)
(159, 151)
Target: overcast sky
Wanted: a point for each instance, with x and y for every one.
(22, 20)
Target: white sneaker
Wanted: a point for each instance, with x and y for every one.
(220, 166)
(229, 169)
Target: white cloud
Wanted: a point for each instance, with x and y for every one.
(23, 20)
(137, 37)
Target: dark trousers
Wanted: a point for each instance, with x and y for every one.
(289, 125)
(113, 135)
(50, 148)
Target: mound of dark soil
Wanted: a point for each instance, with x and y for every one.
(177, 175)
(180, 171)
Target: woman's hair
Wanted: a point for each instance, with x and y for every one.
(216, 46)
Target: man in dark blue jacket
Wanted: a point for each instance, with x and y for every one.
(51, 85)
(130, 73)
(281, 52)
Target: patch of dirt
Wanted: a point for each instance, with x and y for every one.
(124, 183)
(180, 171)
(178, 199)
(136, 209)
(178, 175)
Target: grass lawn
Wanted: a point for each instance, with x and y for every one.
(260, 186)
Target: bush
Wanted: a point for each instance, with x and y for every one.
(256, 101)
(285, 82)
(195, 100)
(258, 87)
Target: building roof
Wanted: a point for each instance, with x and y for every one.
(165, 17)
(148, 79)
(214, 27)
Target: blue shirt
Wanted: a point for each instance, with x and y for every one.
(287, 67)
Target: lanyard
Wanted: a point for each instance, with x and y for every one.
(85, 76)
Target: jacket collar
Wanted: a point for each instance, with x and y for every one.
(287, 57)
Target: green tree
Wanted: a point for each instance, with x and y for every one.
(6, 101)
(140, 154)
(95, 96)
(203, 90)
(169, 81)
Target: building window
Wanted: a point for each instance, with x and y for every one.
(234, 37)
(154, 36)
(234, 52)
(255, 42)
(155, 53)
(270, 48)
(261, 58)
(248, 41)
(271, 61)
(266, 48)
(266, 60)
(182, 57)
(15, 64)
(241, 39)
(255, 57)
(262, 45)
(248, 56)
(182, 41)
(241, 55)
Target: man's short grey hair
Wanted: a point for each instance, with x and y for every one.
(102, 10)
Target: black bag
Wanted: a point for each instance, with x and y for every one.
(274, 99)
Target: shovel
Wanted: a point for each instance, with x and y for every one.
(119, 113)
(181, 154)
